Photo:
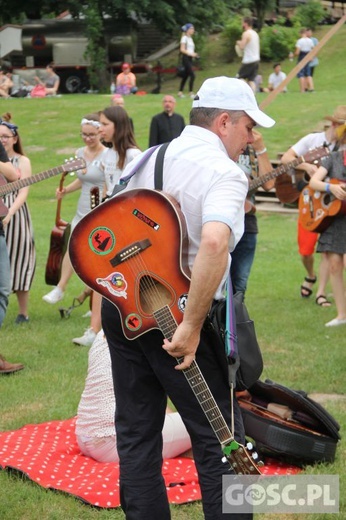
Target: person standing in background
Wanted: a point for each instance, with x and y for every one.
(250, 46)
(10, 175)
(334, 138)
(167, 125)
(332, 241)
(303, 46)
(315, 61)
(93, 153)
(187, 50)
(17, 223)
(254, 161)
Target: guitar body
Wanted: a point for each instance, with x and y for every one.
(58, 245)
(317, 209)
(288, 187)
(131, 249)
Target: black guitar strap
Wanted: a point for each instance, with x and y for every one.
(158, 173)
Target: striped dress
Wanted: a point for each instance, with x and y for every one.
(20, 242)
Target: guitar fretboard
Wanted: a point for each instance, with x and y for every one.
(195, 378)
(22, 183)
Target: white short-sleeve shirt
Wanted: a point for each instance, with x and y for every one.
(206, 183)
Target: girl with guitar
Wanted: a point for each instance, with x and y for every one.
(332, 241)
(93, 153)
(334, 138)
(116, 130)
(17, 223)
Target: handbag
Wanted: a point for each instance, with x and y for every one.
(287, 424)
(180, 70)
(38, 91)
(245, 365)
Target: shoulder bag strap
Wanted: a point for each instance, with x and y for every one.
(123, 182)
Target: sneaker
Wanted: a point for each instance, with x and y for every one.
(336, 322)
(181, 95)
(54, 296)
(192, 95)
(87, 315)
(21, 319)
(87, 339)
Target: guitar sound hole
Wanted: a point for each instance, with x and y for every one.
(153, 295)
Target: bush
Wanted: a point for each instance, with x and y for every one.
(309, 14)
(230, 34)
(277, 42)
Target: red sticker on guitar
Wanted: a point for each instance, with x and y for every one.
(101, 240)
(133, 322)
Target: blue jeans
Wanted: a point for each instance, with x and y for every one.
(5, 278)
(242, 260)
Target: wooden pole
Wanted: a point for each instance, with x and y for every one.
(302, 63)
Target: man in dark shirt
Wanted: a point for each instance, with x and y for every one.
(167, 125)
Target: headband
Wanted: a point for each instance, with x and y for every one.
(91, 122)
(10, 126)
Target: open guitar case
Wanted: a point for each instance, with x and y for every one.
(288, 425)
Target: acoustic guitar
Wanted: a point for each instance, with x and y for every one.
(133, 250)
(8, 187)
(318, 208)
(289, 187)
(58, 244)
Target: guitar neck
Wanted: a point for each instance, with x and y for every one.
(197, 382)
(22, 183)
(280, 170)
(236, 454)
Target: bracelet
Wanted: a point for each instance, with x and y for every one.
(261, 152)
(328, 187)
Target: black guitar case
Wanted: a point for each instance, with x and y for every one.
(288, 425)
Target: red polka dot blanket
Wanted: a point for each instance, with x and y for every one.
(49, 455)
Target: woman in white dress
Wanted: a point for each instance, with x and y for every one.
(93, 176)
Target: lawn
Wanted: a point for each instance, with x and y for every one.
(298, 350)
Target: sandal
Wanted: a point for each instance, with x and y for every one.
(306, 292)
(322, 301)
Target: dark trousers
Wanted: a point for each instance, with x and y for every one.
(189, 73)
(144, 374)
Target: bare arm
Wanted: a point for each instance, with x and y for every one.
(244, 40)
(317, 183)
(264, 164)
(8, 171)
(290, 156)
(208, 269)
(74, 186)
(25, 169)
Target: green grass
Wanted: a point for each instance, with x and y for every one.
(298, 350)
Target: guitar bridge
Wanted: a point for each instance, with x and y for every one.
(130, 251)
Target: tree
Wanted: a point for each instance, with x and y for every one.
(167, 15)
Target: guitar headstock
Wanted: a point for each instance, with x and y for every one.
(243, 460)
(73, 165)
(316, 154)
(94, 197)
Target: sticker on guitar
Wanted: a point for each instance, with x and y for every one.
(115, 284)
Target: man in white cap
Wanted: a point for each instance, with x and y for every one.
(200, 172)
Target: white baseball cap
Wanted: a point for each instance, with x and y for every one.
(231, 94)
